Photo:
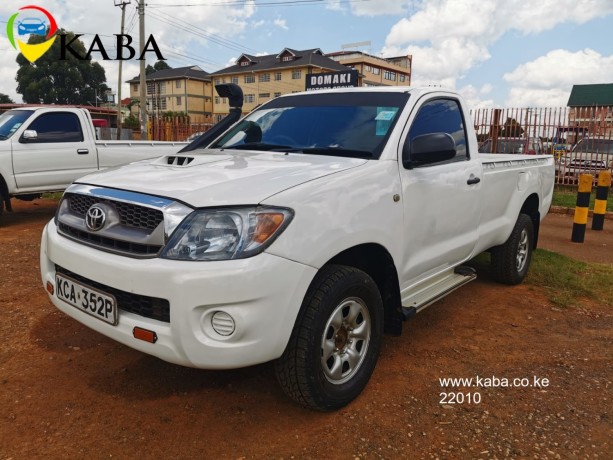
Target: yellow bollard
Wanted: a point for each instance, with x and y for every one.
(600, 204)
(581, 211)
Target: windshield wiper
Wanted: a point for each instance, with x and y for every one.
(332, 151)
(257, 146)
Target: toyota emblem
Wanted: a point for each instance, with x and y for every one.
(95, 218)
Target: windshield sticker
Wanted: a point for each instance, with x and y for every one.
(385, 116)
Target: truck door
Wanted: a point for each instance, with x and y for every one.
(59, 154)
(441, 200)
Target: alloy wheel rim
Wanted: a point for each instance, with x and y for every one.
(522, 250)
(345, 340)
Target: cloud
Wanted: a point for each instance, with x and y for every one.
(449, 37)
(474, 96)
(168, 25)
(281, 23)
(379, 7)
(548, 80)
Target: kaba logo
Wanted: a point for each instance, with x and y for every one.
(121, 46)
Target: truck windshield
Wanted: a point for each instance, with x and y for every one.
(11, 121)
(353, 124)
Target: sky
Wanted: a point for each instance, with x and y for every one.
(496, 53)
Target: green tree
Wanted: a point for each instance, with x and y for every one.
(51, 80)
(161, 65)
(4, 99)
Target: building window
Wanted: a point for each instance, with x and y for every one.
(135, 88)
(296, 74)
(287, 57)
(162, 87)
(389, 75)
(178, 84)
(216, 99)
(150, 88)
(277, 94)
(179, 100)
(402, 77)
(235, 80)
(218, 81)
(249, 98)
(265, 77)
(367, 68)
(250, 78)
(376, 70)
(277, 76)
(264, 95)
(244, 63)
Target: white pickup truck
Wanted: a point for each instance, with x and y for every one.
(301, 234)
(44, 149)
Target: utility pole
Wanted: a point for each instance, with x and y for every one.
(122, 4)
(143, 81)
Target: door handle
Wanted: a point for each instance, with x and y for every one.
(82, 151)
(472, 180)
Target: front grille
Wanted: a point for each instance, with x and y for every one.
(149, 307)
(109, 243)
(131, 215)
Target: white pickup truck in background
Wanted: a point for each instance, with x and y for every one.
(298, 235)
(44, 149)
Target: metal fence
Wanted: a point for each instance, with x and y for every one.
(580, 139)
(176, 128)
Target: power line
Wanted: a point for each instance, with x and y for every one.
(200, 32)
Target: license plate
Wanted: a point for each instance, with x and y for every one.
(87, 299)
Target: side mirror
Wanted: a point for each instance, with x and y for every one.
(29, 135)
(428, 149)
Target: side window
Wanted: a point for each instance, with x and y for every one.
(57, 127)
(441, 116)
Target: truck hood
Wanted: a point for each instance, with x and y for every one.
(220, 177)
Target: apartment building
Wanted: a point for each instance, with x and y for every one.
(376, 71)
(265, 77)
(184, 89)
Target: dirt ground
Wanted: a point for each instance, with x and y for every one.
(67, 392)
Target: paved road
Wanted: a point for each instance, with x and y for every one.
(555, 236)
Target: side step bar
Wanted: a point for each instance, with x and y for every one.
(427, 296)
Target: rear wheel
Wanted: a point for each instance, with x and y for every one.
(511, 260)
(335, 343)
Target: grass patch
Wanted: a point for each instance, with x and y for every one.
(565, 281)
(53, 195)
(567, 197)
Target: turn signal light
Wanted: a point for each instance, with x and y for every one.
(144, 334)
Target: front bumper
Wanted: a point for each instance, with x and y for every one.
(263, 295)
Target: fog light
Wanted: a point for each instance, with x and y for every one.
(222, 323)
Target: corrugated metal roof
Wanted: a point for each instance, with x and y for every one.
(591, 95)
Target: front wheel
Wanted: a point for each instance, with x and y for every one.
(511, 260)
(335, 343)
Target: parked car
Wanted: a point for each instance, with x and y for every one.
(297, 235)
(44, 149)
(32, 26)
(530, 146)
(589, 156)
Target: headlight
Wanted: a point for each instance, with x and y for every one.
(224, 234)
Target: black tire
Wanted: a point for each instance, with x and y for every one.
(341, 317)
(510, 261)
